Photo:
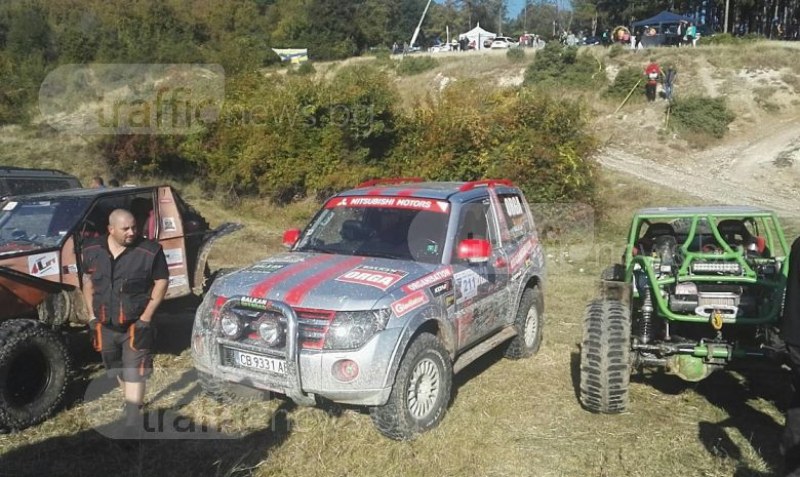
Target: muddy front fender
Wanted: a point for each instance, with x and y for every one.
(205, 249)
(433, 320)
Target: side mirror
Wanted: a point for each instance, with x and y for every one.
(474, 250)
(290, 237)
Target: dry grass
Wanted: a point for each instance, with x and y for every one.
(507, 418)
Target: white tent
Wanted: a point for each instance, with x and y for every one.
(478, 35)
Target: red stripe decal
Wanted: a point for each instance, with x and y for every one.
(261, 289)
(296, 294)
(406, 192)
(378, 191)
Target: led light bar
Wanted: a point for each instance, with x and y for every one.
(732, 268)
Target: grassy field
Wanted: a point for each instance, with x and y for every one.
(507, 418)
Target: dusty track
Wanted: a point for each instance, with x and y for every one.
(760, 169)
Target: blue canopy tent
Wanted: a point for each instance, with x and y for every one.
(662, 18)
(665, 27)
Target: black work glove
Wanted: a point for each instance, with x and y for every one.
(142, 335)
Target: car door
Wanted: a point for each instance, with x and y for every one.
(520, 243)
(168, 228)
(481, 288)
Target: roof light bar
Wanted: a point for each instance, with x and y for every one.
(485, 183)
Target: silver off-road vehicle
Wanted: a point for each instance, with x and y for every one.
(393, 287)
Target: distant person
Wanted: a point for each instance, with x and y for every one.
(790, 332)
(691, 34)
(97, 183)
(652, 72)
(669, 81)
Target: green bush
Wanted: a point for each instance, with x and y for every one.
(473, 132)
(303, 69)
(703, 115)
(413, 65)
(556, 65)
(626, 80)
(729, 39)
(515, 55)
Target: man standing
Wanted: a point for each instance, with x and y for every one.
(790, 330)
(125, 280)
(652, 72)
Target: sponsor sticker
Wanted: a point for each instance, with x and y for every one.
(43, 264)
(521, 255)
(441, 288)
(429, 279)
(267, 267)
(168, 224)
(438, 206)
(378, 277)
(174, 257)
(409, 303)
(253, 302)
(178, 281)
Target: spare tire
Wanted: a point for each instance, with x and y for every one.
(34, 373)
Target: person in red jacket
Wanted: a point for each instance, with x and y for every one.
(652, 73)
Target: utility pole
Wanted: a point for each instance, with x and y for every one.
(525, 19)
(727, 7)
(419, 25)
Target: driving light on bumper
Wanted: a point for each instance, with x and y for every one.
(231, 325)
(271, 332)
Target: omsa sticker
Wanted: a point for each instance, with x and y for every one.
(43, 264)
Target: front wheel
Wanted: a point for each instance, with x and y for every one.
(605, 357)
(421, 391)
(529, 325)
(34, 373)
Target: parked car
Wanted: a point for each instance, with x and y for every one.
(392, 288)
(500, 42)
(41, 238)
(20, 180)
(591, 41)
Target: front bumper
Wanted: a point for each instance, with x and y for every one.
(308, 373)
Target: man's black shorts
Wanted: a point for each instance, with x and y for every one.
(127, 354)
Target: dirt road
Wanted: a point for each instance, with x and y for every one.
(761, 169)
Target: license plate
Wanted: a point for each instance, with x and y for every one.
(255, 361)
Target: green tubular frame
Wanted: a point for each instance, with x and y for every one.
(774, 235)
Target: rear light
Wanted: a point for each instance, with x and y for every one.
(345, 370)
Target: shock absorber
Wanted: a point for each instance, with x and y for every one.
(646, 322)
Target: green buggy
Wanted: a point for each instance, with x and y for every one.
(698, 288)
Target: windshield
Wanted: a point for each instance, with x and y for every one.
(358, 226)
(28, 225)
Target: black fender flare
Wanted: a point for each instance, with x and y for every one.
(205, 249)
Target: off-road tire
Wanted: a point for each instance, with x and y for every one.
(228, 393)
(529, 323)
(605, 357)
(613, 273)
(425, 367)
(35, 368)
